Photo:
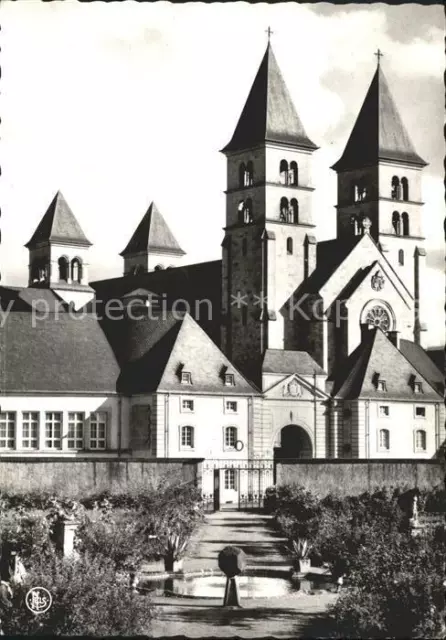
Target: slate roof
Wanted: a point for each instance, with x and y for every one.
(58, 225)
(283, 361)
(151, 353)
(422, 361)
(269, 114)
(28, 298)
(59, 354)
(193, 283)
(354, 378)
(379, 132)
(153, 233)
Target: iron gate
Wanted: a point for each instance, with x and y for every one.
(237, 484)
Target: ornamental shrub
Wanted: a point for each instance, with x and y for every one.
(395, 589)
(87, 600)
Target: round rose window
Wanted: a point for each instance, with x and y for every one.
(378, 316)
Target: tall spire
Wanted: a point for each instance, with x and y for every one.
(379, 132)
(269, 114)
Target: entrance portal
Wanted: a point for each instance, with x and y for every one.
(294, 443)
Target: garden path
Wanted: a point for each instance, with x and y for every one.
(252, 532)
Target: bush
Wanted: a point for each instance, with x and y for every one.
(28, 534)
(87, 600)
(396, 589)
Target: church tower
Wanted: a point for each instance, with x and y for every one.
(269, 245)
(380, 177)
(58, 255)
(152, 247)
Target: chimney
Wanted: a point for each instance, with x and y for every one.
(394, 337)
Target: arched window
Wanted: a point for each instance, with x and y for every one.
(401, 257)
(159, 267)
(244, 246)
(284, 172)
(284, 209)
(249, 174)
(293, 175)
(384, 439)
(354, 221)
(187, 437)
(293, 215)
(396, 223)
(420, 440)
(230, 437)
(396, 190)
(63, 268)
(76, 270)
(354, 192)
(241, 174)
(362, 191)
(248, 211)
(405, 187)
(241, 211)
(405, 219)
(38, 270)
(289, 246)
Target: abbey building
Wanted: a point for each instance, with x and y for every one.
(290, 347)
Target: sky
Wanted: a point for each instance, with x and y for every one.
(118, 104)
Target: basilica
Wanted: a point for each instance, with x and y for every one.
(285, 348)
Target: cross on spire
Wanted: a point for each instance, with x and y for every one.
(269, 31)
(379, 55)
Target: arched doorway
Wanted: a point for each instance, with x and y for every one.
(294, 442)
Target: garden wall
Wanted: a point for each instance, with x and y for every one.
(81, 478)
(352, 477)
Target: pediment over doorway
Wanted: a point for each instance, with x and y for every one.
(295, 387)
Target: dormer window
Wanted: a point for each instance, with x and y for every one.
(381, 385)
(229, 380)
(417, 387)
(186, 377)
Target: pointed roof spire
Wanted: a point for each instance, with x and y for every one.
(379, 132)
(153, 233)
(269, 114)
(58, 225)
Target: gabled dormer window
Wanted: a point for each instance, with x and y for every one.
(186, 377)
(229, 380)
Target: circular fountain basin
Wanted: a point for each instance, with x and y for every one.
(252, 585)
(249, 587)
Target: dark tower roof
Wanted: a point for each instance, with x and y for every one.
(58, 225)
(378, 133)
(153, 233)
(269, 114)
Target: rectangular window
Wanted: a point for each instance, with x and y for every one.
(384, 439)
(231, 406)
(229, 379)
(30, 430)
(420, 412)
(187, 437)
(420, 440)
(382, 386)
(187, 406)
(384, 411)
(98, 430)
(186, 377)
(230, 481)
(230, 437)
(7, 429)
(76, 430)
(53, 430)
(417, 387)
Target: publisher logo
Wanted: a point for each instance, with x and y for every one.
(38, 600)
